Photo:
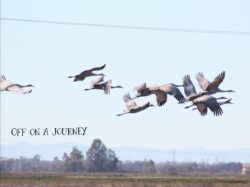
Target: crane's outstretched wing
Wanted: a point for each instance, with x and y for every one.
(97, 80)
(107, 86)
(130, 104)
(4, 83)
(213, 105)
(189, 88)
(202, 108)
(2, 77)
(202, 81)
(175, 92)
(140, 87)
(217, 81)
(161, 97)
(98, 68)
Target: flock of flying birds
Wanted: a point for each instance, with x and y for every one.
(202, 100)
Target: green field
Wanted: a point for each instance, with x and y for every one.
(120, 180)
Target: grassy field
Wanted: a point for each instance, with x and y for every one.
(120, 180)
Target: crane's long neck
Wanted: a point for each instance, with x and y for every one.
(225, 90)
(226, 102)
(87, 89)
(28, 85)
(189, 106)
(219, 98)
(116, 87)
(122, 114)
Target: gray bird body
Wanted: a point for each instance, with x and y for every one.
(201, 100)
(172, 89)
(132, 106)
(144, 90)
(204, 102)
(202, 108)
(98, 84)
(211, 87)
(17, 88)
(88, 73)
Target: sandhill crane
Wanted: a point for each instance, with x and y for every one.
(9, 86)
(132, 106)
(87, 73)
(171, 89)
(204, 102)
(201, 101)
(203, 108)
(144, 90)
(98, 84)
(211, 87)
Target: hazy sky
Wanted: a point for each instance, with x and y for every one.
(46, 54)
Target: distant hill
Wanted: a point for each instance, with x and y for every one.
(49, 151)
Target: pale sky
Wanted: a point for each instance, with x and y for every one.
(46, 54)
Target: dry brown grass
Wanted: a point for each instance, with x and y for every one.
(120, 180)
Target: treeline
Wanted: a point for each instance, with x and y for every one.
(101, 159)
(98, 159)
(148, 166)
